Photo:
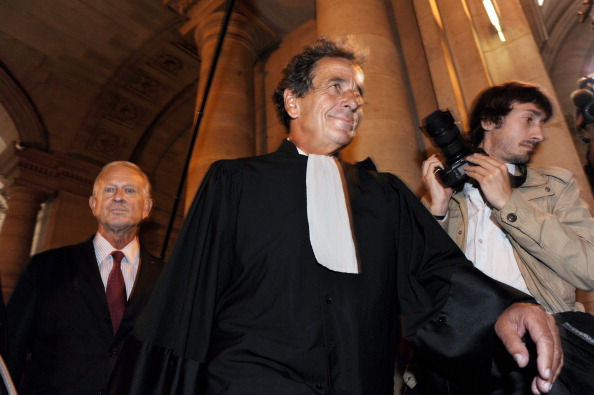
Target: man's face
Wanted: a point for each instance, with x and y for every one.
(119, 203)
(518, 136)
(326, 117)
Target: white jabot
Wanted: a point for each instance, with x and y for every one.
(330, 231)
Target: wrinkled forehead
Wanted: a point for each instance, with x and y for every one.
(120, 176)
(339, 70)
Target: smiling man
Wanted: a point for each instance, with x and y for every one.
(524, 226)
(74, 306)
(292, 268)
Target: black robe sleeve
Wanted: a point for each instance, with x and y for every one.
(448, 306)
(166, 352)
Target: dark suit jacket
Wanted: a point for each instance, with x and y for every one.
(60, 335)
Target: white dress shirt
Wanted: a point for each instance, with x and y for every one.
(487, 245)
(129, 265)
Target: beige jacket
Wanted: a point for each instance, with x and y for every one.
(551, 231)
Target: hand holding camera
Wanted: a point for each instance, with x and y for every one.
(461, 163)
(440, 195)
(493, 177)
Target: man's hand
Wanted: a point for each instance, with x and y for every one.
(520, 318)
(493, 177)
(440, 196)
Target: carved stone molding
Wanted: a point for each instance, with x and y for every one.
(180, 6)
(105, 143)
(50, 173)
(145, 85)
(168, 63)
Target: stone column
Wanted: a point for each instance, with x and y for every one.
(228, 122)
(388, 133)
(458, 70)
(16, 235)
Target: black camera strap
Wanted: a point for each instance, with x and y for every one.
(517, 180)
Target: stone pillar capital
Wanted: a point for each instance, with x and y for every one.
(23, 191)
(205, 18)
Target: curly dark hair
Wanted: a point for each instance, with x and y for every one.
(494, 103)
(299, 73)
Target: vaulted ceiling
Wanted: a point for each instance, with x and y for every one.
(100, 80)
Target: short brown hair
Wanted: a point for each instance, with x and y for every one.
(494, 103)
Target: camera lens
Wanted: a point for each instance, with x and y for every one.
(441, 128)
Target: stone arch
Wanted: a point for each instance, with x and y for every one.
(19, 114)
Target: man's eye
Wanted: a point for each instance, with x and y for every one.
(130, 191)
(109, 190)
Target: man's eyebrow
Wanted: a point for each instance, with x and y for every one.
(336, 79)
(537, 113)
(341, 80)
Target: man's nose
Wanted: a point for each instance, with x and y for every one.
(118, 196)
(538, 133)
(353, 99)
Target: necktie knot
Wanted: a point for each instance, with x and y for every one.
(117, 257)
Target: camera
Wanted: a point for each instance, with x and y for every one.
(441, 128)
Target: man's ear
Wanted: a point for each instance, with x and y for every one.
(488, 126)
(146, 210)
(291, 104)
(92, 203)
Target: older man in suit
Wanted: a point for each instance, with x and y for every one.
(74, 306)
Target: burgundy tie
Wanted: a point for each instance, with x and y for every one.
(116, 291)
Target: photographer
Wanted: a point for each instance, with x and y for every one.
(524, 226)
(583, 99)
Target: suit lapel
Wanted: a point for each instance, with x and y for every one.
(146, 279)
(85, 259)
(90, 287)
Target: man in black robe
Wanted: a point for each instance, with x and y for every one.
(252, 302)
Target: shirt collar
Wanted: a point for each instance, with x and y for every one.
(103, 248)
(468, 186)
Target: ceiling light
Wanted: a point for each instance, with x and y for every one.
(494, 18)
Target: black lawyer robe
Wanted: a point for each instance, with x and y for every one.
(244, 308)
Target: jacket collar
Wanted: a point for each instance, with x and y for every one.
(287, 146)
(534, 179)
